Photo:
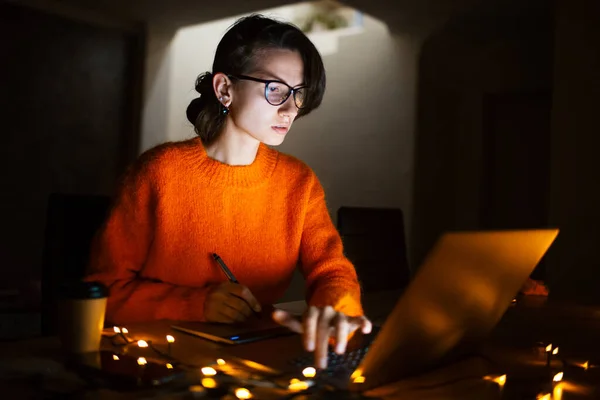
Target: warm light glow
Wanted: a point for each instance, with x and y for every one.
(169, 366)
(209, 383)
(220, 361)
(359, 379)
(357, 372)
(309, 372)
(142, 361)
(142, 343)
(297, 386)
(209, 371)
(294, 380)
(243, 393)
(170, 339)
(514, 300)
(545, 396)
(549, 348)
(585, 365)
(115, 357)
(196, 389)
(558, 377)
(124, 330)
(555, 351)
(557, 392)
(500, 380)
(117, 329)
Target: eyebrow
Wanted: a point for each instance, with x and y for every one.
(269, 76)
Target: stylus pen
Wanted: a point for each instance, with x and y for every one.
(226, 270)
(231, 277)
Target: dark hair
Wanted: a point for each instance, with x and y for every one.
(236, 55)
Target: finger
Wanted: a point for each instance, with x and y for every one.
(324, 329)
(342, 330)
(232, 313)
(238, 304)
(244, 293)
(310, 328)
(366, 325)
(286, 319)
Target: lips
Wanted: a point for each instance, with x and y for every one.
(280, 129)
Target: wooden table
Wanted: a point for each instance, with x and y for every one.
(511, 350)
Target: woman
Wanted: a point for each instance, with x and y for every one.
(226, 192)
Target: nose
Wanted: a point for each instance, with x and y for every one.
(288, 108)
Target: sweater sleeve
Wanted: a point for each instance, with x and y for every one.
(330, 277)
(119, 252)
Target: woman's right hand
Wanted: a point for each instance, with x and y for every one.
(229, 302)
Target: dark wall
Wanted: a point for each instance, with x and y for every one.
(69, 121)
(485, 83)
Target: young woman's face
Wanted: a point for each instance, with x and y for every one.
(249, 110)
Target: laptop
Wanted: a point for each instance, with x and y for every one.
(460, 292)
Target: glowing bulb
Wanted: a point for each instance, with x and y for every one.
(142, 361)
(558, 377)
(115, 357)
(196, 389)
(545, 396)
(220, 361)
(297, 385)
(549, 348)
(117, 329)
(309, 372)
(555, 351)
(170, 339)
(243, 393)
(142, 343)
(124, 330)
(209, 383)
(209, 371)
(359, 379)
(169, 366)
(501, 380)
(586, 365)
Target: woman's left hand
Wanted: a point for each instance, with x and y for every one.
(318, 325)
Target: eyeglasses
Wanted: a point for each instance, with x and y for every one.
(277, 92)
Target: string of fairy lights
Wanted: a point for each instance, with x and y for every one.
(220, 377)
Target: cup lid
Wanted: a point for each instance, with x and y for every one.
(84, 290)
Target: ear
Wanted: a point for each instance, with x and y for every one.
(223, 88)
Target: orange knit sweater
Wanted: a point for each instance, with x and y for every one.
(176, 206)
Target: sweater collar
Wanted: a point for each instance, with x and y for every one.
(218, 173)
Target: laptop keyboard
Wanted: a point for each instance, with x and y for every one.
(339, 364)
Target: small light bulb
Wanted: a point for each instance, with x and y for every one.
(209, 383)
(117, 329)
(209, 371)
(220, 361)
(142, 361)
(142, 343)
(243, 393)
(170, 339)
(115, 357)
(558, 377)
(297, 386)
(549, 348)
(555, 351)
(309, 372)
(124, 330)
(586, 365)
(169, 366)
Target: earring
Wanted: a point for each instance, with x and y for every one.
(225, 110)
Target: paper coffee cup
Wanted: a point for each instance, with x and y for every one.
(81, 312)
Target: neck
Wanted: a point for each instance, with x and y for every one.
(233, 148)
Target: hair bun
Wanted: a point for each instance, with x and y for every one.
(204, 83)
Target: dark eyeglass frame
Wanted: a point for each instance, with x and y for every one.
(267, 82)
